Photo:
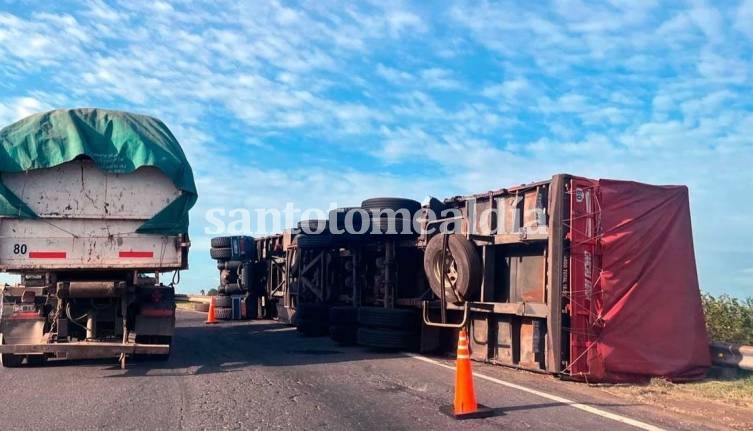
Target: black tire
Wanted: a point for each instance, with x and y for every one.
(312, 329)
(201, 306)
(313, 227)
(233, 289)
(391, 226)
(222, 301)
(387, 339)
(314, 241)
(394, 204)
(467, 272)
(10, 360)
(396, 318)
(339, 216)
(343, 315)
(220, 242)
(220, 253)
(341, 334)
(228, 276)
(312, 312)
(223, 313)
(231, 265)
(246, 276)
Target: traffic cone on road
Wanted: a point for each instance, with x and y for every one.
(211, 319)
(465, 405)
(465, 394)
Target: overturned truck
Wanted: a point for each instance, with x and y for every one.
(587, 279)
(93, 209)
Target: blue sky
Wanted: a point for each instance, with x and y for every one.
(316, 102)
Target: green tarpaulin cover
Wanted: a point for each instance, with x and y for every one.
(117, 142)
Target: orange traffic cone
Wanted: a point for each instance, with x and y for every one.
(211, 319)
(465, 394)
(465, 405)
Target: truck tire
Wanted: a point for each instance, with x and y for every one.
(342, 334)
(228, 276)
(220, 242)
(201, 306)
(394, 204)
(246, 276)
(223, 313)
(230, 265)
(10, 360)
(233, 289)
(339, 216)
(394, 318)
(343, 316)
(464, 268)
(312, 227)
(222, 301)
(312, 311)
(321, 240)
(393, 226)
(220, 253)
(389, 339)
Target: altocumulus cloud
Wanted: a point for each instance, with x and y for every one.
(319, 102)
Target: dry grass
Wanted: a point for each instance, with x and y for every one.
(738, 392)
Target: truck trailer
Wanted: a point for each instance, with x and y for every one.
(93, 211)
(592, 280)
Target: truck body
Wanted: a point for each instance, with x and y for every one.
(588, 279)
(89, 262)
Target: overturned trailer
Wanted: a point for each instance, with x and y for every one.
(591, 279)
(587, 279)
(93, 208)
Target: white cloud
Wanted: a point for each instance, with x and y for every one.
(744, 18)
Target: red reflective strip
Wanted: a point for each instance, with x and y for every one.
(47, 255)
(136, 254)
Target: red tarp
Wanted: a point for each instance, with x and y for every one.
(651, 318)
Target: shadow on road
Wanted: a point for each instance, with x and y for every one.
(230, 346)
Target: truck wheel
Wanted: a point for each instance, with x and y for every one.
(390, 339)
(220, 242)
(395, 318)
(10, 360)
(220, 253)
(464, 268)
(394, 204)
(321, 240)
(343, 315)
(222, 301)
(230, 265)
(223, 313)
(246, 276)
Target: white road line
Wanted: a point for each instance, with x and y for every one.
(565, 401)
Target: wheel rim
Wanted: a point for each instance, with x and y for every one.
(451, 272)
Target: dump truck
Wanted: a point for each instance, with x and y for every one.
(93, 212)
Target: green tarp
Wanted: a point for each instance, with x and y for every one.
(117, 142)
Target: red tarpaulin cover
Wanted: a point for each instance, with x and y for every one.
(652, 321)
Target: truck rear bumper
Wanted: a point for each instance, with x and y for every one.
(84, 350)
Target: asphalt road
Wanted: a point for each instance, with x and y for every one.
(263, 375)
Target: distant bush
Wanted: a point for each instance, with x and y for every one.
(212, 292)
(729, 319)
